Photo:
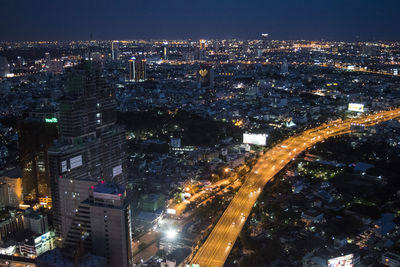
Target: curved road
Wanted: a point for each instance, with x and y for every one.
(216, 248)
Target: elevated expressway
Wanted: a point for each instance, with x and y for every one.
(216, 248)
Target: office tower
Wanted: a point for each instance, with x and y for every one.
(103, 224)
(4, 69)
(131, 64)
(140, 70)
(206, 77)
(115, 50)
(35, 137)
(137, 69)
(264, 40)
(284, 66)
(91, 148)
(110, 223)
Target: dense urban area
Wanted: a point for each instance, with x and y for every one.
(128, 153)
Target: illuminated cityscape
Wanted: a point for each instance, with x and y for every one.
(200, 134)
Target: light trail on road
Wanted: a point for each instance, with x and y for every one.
(215, 250)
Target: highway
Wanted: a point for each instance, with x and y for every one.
(216, 248)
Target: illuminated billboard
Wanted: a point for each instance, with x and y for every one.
(343, 261)
(50, 120)
(255, 139)
(356, 107)
(117, 170)
(171, 211)
(75, 162)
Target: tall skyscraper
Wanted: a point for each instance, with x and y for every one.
(131, 64)
(91, 149)
(137, 69)
(115, 50)
(165, 51)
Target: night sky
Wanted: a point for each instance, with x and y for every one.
(136, 19)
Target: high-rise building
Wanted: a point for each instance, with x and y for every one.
(115, 50)
(206, 77)
(165, 51)
(110, 223)
(131, 64)
(264, 40)
(103, 222)
(91, 148)
(35, 136)
(137, 70)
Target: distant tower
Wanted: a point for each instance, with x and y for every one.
(4, 70)
(206, 77)
(115, 50)
(165, 51)
(140, 70)
(202, 44)
(264, 39)
(131, 63)
(284, 67)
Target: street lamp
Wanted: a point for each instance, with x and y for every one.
(171, 234)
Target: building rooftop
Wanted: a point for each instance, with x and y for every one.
(109, 188)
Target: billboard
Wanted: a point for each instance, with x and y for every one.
(356, 107)
(171, 211)
(255, 139)
(117, 170)
(75, 162)
(343, 261)
(63, 166)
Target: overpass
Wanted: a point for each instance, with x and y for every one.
(216, 248)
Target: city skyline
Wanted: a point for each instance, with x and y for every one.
(199, 134)
(314, 20)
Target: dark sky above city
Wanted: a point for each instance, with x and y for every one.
(135, 19)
